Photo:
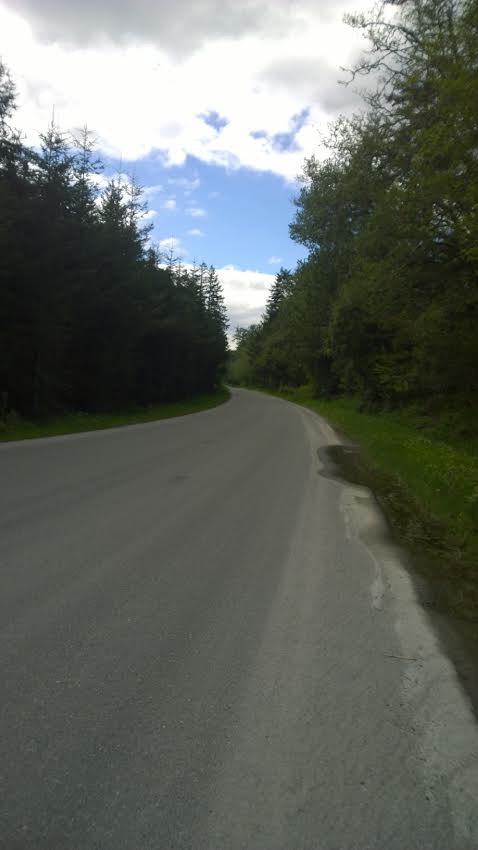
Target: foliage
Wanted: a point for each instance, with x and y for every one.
(386, 304)
(426, 478)
(91, 317)
(14, 428)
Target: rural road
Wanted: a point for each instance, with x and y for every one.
(207, 644)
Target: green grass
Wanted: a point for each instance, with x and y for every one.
(424, 456)
(71, 423)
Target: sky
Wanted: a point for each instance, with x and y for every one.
(212, 105)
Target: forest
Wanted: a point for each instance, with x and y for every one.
(385, 305)
(92, 317)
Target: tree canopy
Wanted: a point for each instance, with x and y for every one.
(92, 317)
(386, 304)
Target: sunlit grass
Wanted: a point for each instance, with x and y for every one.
(440, 475)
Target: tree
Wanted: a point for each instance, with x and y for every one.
(214, 299)
(386, 304)
(89, 317)
(281, 288)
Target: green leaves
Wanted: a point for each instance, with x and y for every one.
(90, 319)
(387, 302)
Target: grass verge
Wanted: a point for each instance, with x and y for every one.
(72, 423)
(428, 486)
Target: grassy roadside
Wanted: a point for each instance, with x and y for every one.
(426, 478)
(72, 423)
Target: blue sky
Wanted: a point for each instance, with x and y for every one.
(228, 217)
(212, 104)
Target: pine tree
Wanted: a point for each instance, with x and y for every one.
(214, 298)
(281, 288)
(89, 317)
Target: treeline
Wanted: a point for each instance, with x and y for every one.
(386, 304)
(91, 317)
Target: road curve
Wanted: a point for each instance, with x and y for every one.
(206, 644)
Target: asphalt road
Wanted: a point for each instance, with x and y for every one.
(208, 645)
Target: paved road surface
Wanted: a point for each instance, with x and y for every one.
(208, 645)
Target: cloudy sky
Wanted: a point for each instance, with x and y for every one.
(212, 104)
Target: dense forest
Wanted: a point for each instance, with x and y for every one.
(92, 318)
(385, 306)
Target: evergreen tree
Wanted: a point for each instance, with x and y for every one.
(214, 298)
(89, 317)
(281, 288)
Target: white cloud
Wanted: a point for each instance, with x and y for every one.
(185, 183)
(274, 261)
(100, 181)
(172, 245)
(196, 212)
(255, 64)
(150, 191)
(169, 204)
(195, 232)
(150, 214)
(245, 294)
(245, 291)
